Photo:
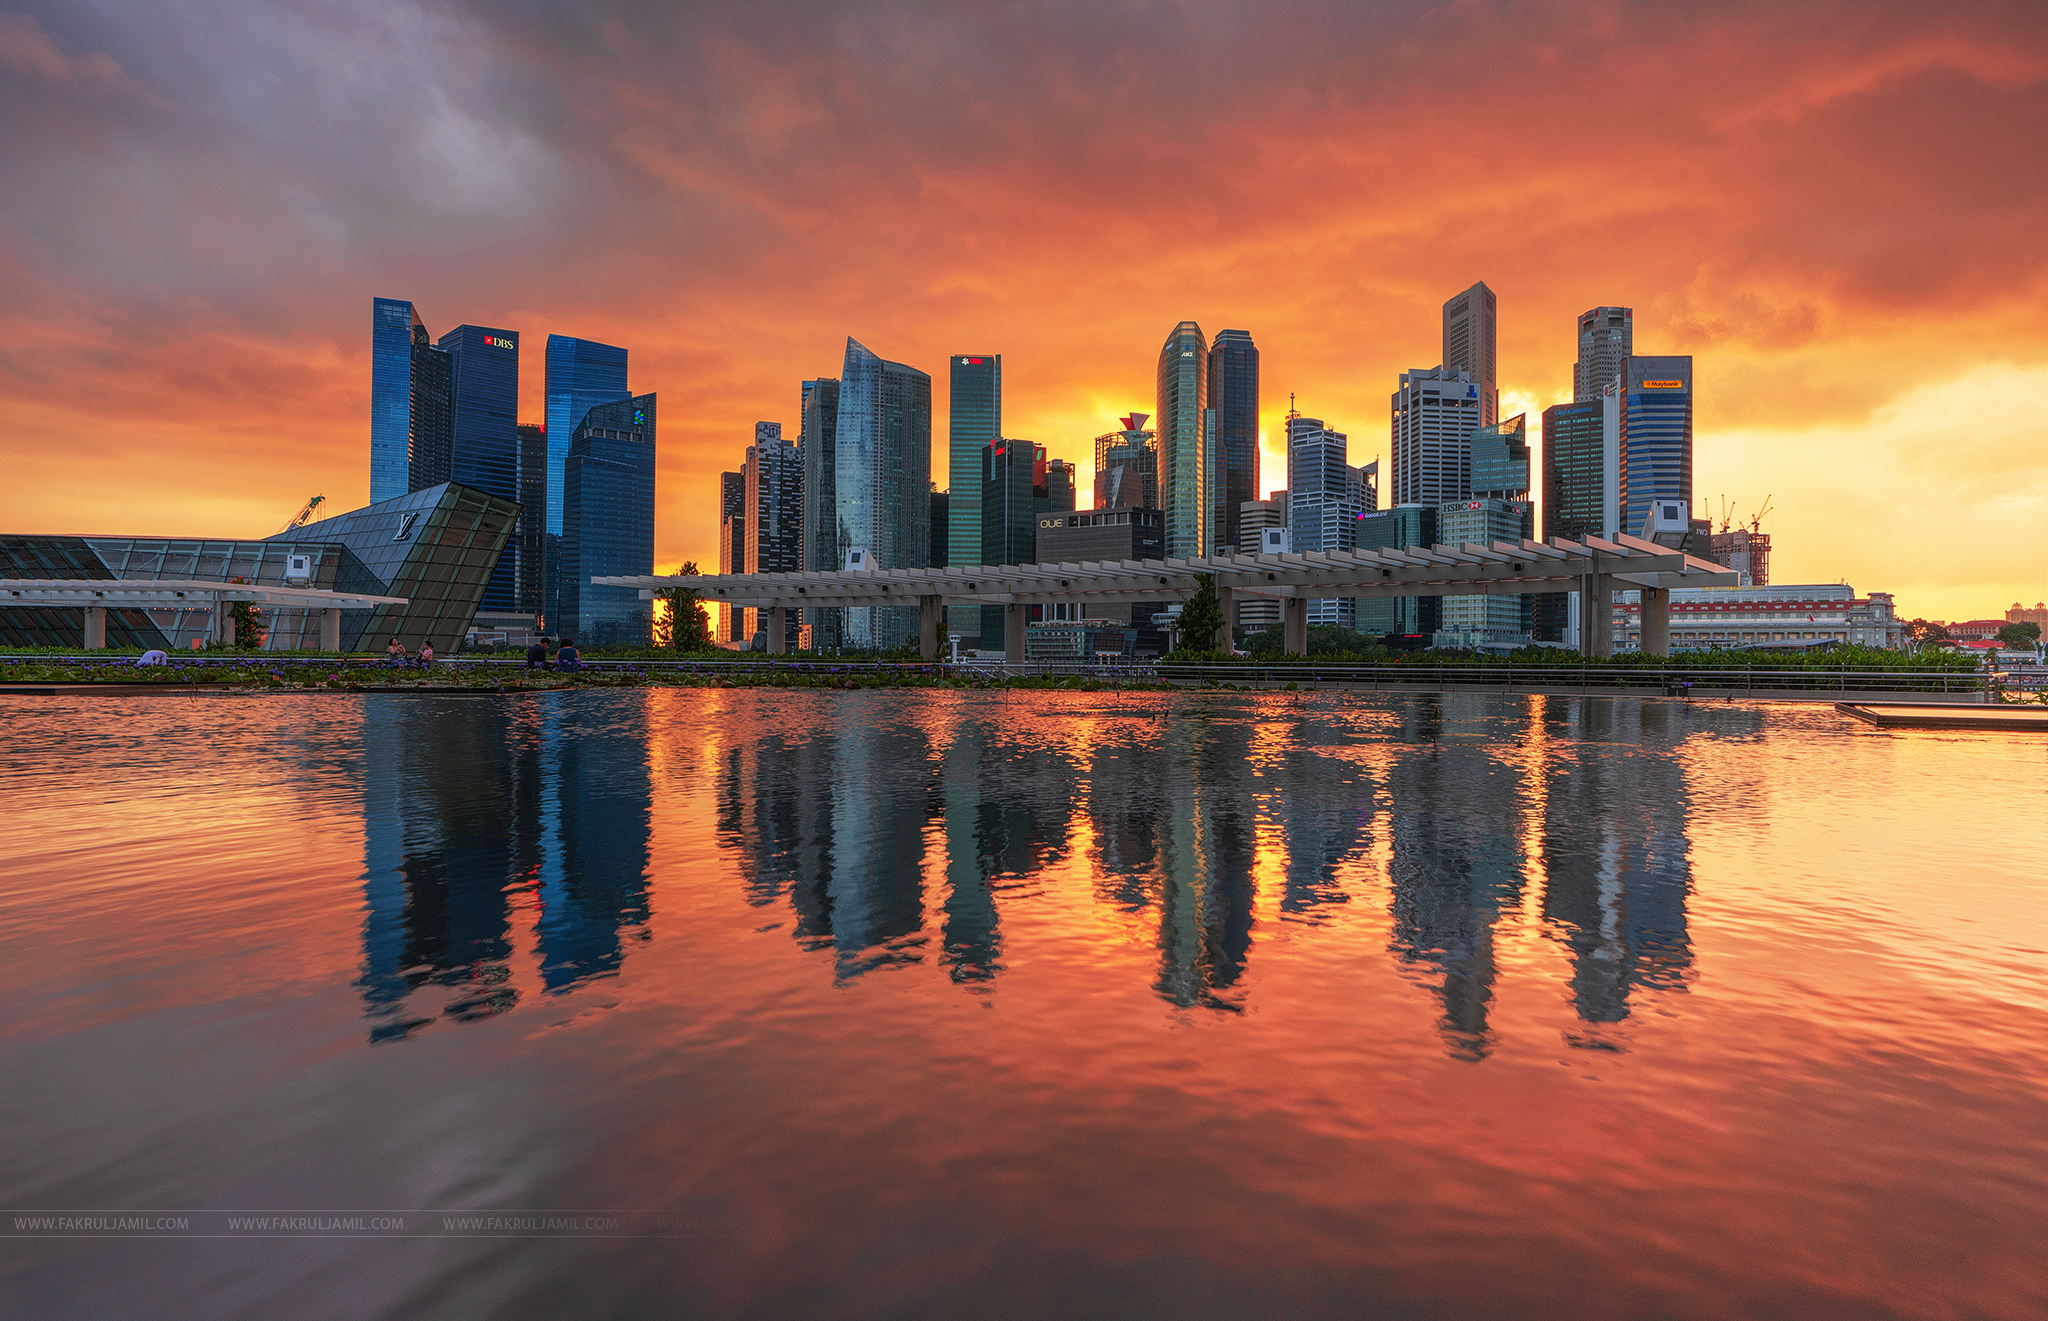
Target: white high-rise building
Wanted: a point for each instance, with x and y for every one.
(1435, 412)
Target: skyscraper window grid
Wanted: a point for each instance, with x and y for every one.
(608, 523)
(1435, 412)
(1656, 435)
(1234, 397)
(484, 435)
(1607, 335)
(882, 464)
(1184, 485)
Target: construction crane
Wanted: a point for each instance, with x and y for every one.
(299, 519)
(1758, 517)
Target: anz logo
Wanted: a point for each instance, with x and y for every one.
(1187, 353)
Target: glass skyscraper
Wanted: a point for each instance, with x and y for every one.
(817, 442)
(1498, 510)
(411, 403)
(581, 374)
(1185, 488)
(975, 421)
(773, 482)
(484, 453)
(533, 518)
(882, 466)
(1395, 529)
(608, 523)
(1655, 435)
(1234, 395)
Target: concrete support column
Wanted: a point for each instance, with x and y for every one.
(1014, 616)
(931, 626)
(330, 630)
(1294, 625)
(778, 629)
(1596, 616)
(222, 628)
(1656, 621)
(95, 628)
(1226, 638)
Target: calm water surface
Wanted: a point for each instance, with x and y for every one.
(891, 1004)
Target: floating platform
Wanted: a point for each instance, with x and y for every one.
(1946, 715)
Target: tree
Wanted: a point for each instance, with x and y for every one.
(686, 628)
(1927, 634)
(1200, 618)
(2020, 636)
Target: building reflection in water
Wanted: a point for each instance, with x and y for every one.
(834, 820)
(1616, 858)
(1457, 863)
(1484, 813)
(473, 807)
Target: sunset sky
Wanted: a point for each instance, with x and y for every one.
(1840, 208)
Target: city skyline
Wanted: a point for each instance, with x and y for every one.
(1816, 213)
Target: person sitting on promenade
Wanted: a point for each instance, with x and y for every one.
(537, 655)
(394, 655)
(154, 656)
(566, 657)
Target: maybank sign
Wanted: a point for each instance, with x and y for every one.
(1663, 385)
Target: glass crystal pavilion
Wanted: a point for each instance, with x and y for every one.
(436, 547)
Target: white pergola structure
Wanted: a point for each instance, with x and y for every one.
(96, 595)
(1594, 567)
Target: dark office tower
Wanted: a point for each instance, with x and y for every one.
(1234, 395)
(1184, 484)
(819, 408)
(1581, 492)
(882, 469)
(975, 421)
(1395, 529)
(942, 529)
(581, 373)
(484, 374)
(732, 549)
(533, 517)
(411, 404)
(1013, 493)
(1655, 449)
(1436, 410)
(1469, 346)
(1606, 336)
(774, 473)
(608, 523)
(1580, 497)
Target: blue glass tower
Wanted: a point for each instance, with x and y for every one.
(411, 427)
(581, 374)
(608, 523)
(484, 452)
(882, 468)
(1656, 435)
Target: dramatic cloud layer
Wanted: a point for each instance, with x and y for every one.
(1838, 207)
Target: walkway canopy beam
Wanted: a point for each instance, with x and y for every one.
(1503, 568)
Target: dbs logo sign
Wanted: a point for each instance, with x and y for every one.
(497, 342)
